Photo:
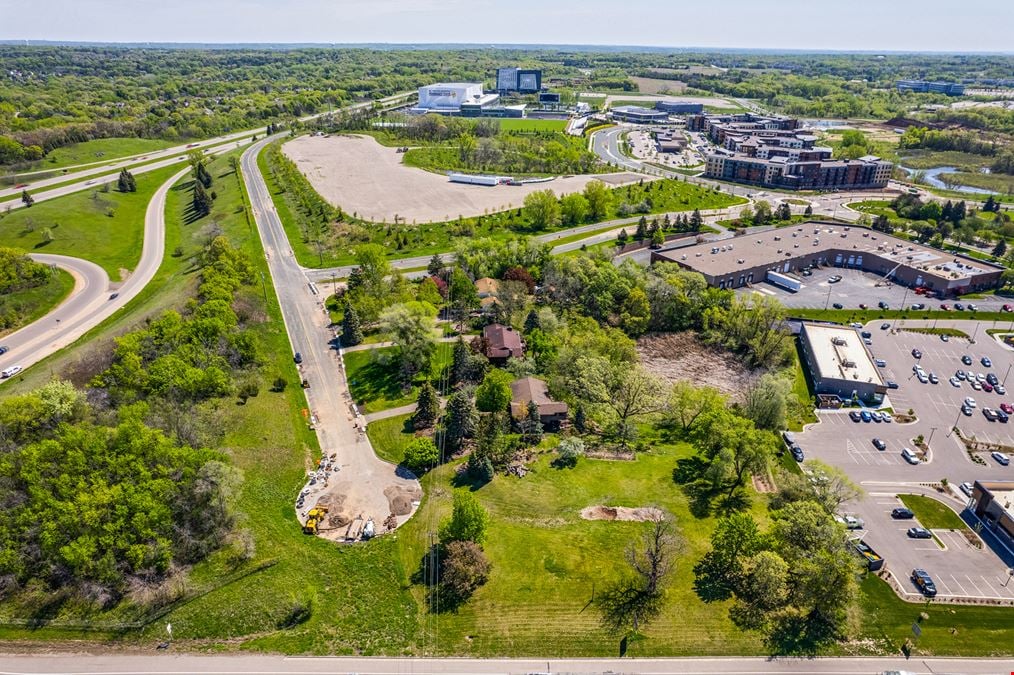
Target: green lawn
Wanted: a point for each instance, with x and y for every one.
(33, 303)
(931, 159)
(375, 378)
(996, 182)
(951, 332)
(532, 125)
(932, 513)
(864, 315)
(104, 150)
(801, 411)
(390, 437)
(106, 228)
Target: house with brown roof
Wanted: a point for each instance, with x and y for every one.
(552, 414)
(486, 287)
(502, 342)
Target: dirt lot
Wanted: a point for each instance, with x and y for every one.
(682, 356)
(650, 85)
(367, 179)
(620, 513)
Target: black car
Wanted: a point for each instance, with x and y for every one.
(891, 384)
(838, 305)
(966, 359)
(797, 453)
(992, 379)
(901, 513)
(1001, 415)
(882, 305)
(924, 582)
(885, 326)
(879, 444)
(866, 334)
(854, 414)
(298, 358)
(3, 349)
(919, 533)
(916, 353)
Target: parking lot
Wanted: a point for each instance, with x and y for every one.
(855, 288)
(958, 569)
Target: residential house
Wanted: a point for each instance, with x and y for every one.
(552, 414)
(502, 342)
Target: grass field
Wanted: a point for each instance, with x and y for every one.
(106, 228)
(375, 379)
(103, 150)
(34, 303)
(932, 513)
(997, 182)
(532, 125)
(864, 315)
(390, 437)
(931, 159)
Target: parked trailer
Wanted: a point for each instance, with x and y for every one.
(872, 559)
(784, 281)
(475, 180)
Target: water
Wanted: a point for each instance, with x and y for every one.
(931, 176)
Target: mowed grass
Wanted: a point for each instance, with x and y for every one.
(932, 513)
(106, 228)
(102, 150)
(391, 436)
(549, 563)
(33, 303)
(532, 125)
(376, 381)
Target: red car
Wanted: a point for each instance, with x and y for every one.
(945, 307)
(986, 386)
(1007, 308)
(1007, 408)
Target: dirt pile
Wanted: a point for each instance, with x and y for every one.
(639, 514)
(400, 499)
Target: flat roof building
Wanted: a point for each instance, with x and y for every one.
(448, 98)
(521, 80)
(839, 363)
(746, 260)
(795, 169)
(924, 87)
(679, 107)
(993, 503)
(639, 115)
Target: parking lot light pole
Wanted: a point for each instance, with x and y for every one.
(1010, 573)
(1009, 366)
(932, 431)
(955, 425)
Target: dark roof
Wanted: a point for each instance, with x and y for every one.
(533, 389)
(503, 341)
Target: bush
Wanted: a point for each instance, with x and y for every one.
(279, 384)
(468, 520)
(464, 569)
(421, 455)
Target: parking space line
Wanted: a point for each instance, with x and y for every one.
(958, 583)
(979, 590)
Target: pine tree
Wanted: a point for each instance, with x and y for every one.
(960, 212)
(461, 419)
(27, 199)
(125, 182)
(696, 221)
(203, 175)
(202, 200)
(947, 213)
(657, 238)
(622, 237)
(531, 428)
(667, 223)
(532, 321)
(352, 332)
(436, 265)
(427, 407)
(642, 229)
(808, 211)
(461, 359)
(1000, 248)
(580, 421)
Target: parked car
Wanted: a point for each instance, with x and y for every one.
(1001, 416)
(881, 363)
(924, 582)
(986, 362)
(945, 338)
(1007, 408)
(966, 359)
(879, 444)
(10, 372)
(919, 533)
(918, 305)
(862, 305)
(797, 453)
(960, 374)
(966, 488)
(866, 334)
(922, 377)
(885, 326)
(987, 387)
(891, 384)
(916, 353)
(882, 305)
(966, 411)
(989, 414)
(969, 401)
(886, 417)
(298, 358)
(958, 306)
(973, 307)
(1000, 458)
(877, 416)
(867, 417)
(834, 278)
(854, 414)
(838, 305)
(992, 379)
(1000, 389)
(851, 522)
(934, 379)
(902, 513)
(909, 456)
(1007, 308)
(975, 385)
(789, 438)
(945, 307)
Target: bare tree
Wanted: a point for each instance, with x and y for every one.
(638, 599)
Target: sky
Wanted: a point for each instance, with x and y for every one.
(873, 25)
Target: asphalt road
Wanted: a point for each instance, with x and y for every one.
(256, 664)
(93, 305)
(363, 480)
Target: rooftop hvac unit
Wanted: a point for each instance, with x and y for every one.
(741, 261)
(848, 364)
(840, 341)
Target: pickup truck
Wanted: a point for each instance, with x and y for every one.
(873, 560)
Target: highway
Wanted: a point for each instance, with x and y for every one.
(264, 664)
(365, 482)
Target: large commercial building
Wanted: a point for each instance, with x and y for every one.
(839, 363)
(746, 260)
(679, 107)
(993, 503)
(638, 115)
(450, 98)
(924, 87)
(520, 80)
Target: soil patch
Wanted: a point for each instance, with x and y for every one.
(368, 180)
(639, 514)
(683, 356)
(400, 499)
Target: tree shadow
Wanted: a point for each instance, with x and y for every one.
(48, 610)
(43, 244)
(800, 635)
(465, 479)
(564, 463)
(711, 582)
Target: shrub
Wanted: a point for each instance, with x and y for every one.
(421, 455)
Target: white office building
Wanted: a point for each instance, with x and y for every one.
(447, 98)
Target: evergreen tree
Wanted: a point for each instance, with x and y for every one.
(202, 200)
(947, 213)
(989, 205)
(352, 332)
(125, 182)
(696, 221)
(27, 199)
(960, 212)
(531, 427)
(657, 238)
(808, 211)
(203, 175)
(622, 237)
(1000, 248)
(436, 265)
(461, 358)
(532, 321)
(427, 407)
(580, 421)
(642, 229)
(667, 223)
(460, 420)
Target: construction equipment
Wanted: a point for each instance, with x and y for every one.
(368, 530)
(313, 519)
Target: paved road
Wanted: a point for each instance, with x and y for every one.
(257, 664)
(77, 316)
(363, 480)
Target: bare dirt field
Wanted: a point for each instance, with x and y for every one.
(682, 356)
(651, 85)
(620, 513)
(367, 179)
(649, 99)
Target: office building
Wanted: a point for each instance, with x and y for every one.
(520, 80)
(839, 363)
(638, 115)
(679, 107)
(449, 98)
(925, 87)
(746, 260)
(993, 503)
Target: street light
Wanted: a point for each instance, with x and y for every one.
(932, 430)
(1010, 573)
(955, 425)
(1009, 366)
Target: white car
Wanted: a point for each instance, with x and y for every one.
(910, 456)
(1000, 458)
(10, 372)
(1000, 389)
(886, 417)
(970, 402)
(976, 386)
(954, 382)
(966, 488)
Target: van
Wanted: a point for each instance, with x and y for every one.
(10, 372)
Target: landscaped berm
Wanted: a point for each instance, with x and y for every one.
(369, 181)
